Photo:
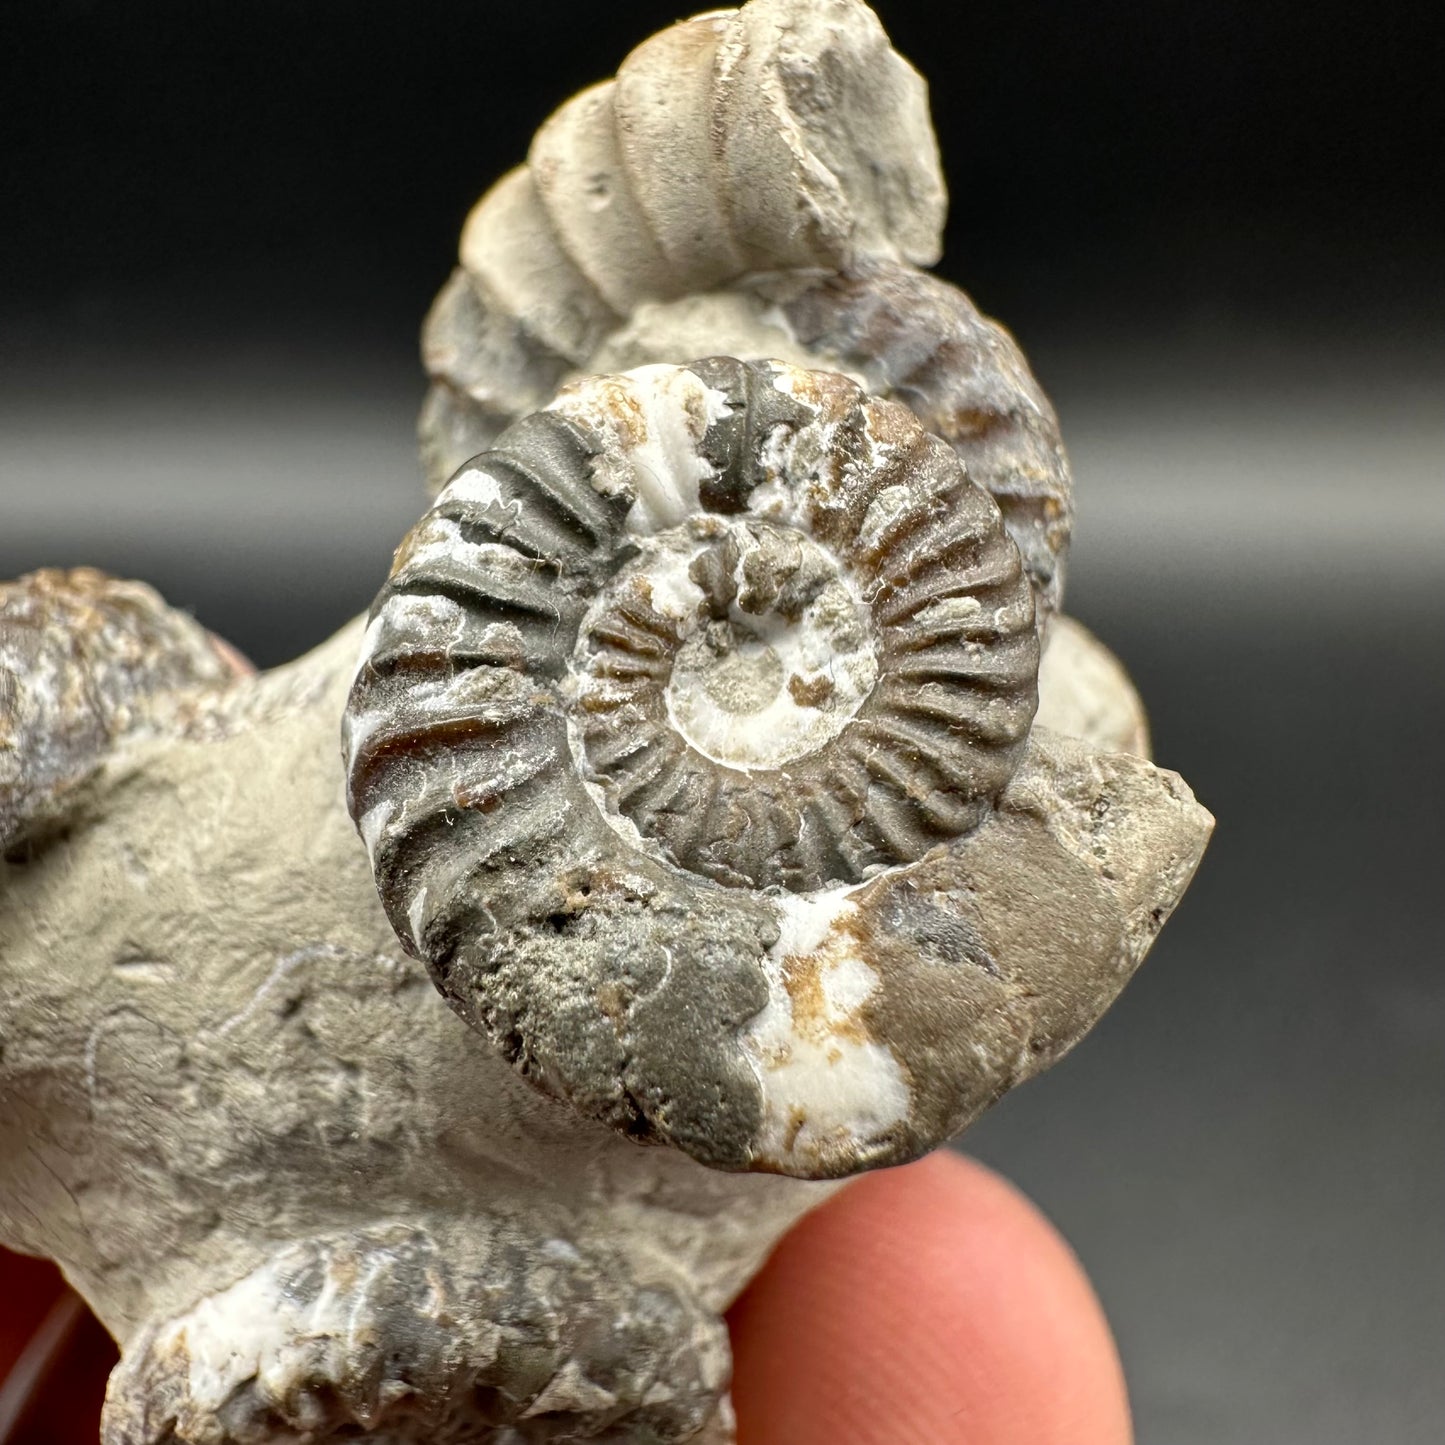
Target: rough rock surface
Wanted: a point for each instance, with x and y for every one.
(219, 1073)
(223, 1084)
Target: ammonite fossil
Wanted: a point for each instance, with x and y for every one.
(762, 183)
(687, 702)
(654, 687)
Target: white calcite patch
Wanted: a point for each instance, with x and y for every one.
(752, 690)
(481, 489)
(258, 1330)
(761, 689)
(669, 583)
(828, 1089)
(651, 421)
(783, 727)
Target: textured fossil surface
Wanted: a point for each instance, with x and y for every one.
(225, 1084)
(415, 1042)
(760, 183)
(84, 661)
(690, 742)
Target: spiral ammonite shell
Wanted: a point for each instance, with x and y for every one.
(692, 742)
(825, 663)
(761, 182)
(653, 687)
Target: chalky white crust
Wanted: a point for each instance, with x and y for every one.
(827, 1085)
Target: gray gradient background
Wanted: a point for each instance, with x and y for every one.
(1217, 231)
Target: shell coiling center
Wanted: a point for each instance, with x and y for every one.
(766, 650)
(781, 630)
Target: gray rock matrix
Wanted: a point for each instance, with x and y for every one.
(429, 1039)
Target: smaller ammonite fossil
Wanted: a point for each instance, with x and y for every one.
(718, 750)
(760, 182)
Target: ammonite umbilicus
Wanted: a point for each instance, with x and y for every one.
(671, 698)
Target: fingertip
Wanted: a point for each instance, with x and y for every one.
(931, 1303)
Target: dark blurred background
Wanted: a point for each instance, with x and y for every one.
(1218, 230)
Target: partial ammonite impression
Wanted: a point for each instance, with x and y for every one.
(87, 660)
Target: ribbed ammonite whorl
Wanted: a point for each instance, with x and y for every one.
(655, 683)
(762, 182)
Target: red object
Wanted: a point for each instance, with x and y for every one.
(54, 1357)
